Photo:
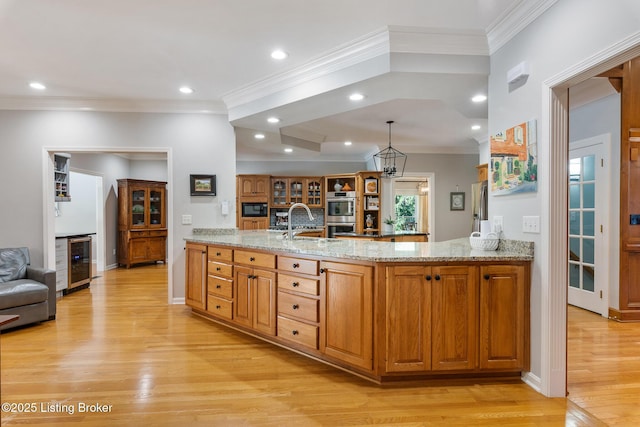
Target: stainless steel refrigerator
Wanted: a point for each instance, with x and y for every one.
(479, 203)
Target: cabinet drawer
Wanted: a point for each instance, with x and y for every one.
(219, 269)
(138, 234)
(255, 258)
(157, 233)
(298, 284)
(298, 332)
(220, 307)
(220, 287)
(215, 253)
(297, 306)
(297, 265)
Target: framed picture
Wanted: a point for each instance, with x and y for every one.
(203, 185)
(457, 201)
(370, 186)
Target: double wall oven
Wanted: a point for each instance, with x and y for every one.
(341, 212)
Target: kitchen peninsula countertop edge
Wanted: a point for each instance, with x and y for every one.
(354, 249)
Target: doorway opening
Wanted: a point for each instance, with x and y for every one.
(109, 227)
(411, 205)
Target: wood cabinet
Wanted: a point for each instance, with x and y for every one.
(348, 313)
(454, 318)
(504, 317)
(252, 186)
(286, 191)
(142, 228)
(220, 282)
(408, 318)
(368, 202)
(483, 172)
(195, 275)
(299, 302)
(255, 291)
(253, 223)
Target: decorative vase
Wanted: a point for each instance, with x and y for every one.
(387, 228)
(369, 221)
(338, 186)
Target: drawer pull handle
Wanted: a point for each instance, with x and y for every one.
(322, 270)
(218, 287)
(218, 269)
(218, 307)
(437, 277)
(252, 259)
(218, 254)
(295, 306)
(294, 332)
(295, 284)
(296, 265)
(428, 277)
(487, 277)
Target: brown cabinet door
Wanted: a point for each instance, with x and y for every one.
(243, 307)
(254, 223)
(138, 250)
(408, 319)
(454, 320)
(195, 280)
(348, 313)
(502, 317)
(264, 284)
(156, 248)
(261, 186)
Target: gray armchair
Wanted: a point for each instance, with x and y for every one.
(27, 291)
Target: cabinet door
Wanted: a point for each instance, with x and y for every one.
(195, 280)
(348, 313)
(408, 321)
(254, 223)
(156, 248)
(314, 192)
(503, 317)
(264, 284)
(138, 206)
(157, 214)
(243, 307)
(261, 185)
(296, 191)
(138, 249)
(279, 192)
(454, 336)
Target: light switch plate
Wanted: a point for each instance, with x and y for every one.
(186, 219)
(531, 224)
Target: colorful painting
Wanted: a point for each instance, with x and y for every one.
(514, 160)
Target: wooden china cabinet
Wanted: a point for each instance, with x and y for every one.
(142, 221)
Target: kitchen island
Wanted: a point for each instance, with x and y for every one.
(386, 311)
(393, 236)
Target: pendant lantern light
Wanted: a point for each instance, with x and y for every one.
(390, 161)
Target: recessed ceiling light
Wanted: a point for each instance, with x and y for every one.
(288, 150)
(37, 86)
(479, 98)
(186, 89)
(259, 136)
(347, 143)
(356, 97)
(475, 127)
(279, 54)
(273, 120)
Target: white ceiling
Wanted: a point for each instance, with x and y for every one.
(417, 61)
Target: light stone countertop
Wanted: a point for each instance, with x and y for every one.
(452, 250)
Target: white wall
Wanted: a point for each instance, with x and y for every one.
(79, 215)
(569, 33)
(198, 143)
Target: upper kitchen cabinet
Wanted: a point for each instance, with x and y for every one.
(61, 171)
(253, 186)
(142, 221)
(286, 191)
(483, 172)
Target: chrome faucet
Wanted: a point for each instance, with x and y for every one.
(290, 233)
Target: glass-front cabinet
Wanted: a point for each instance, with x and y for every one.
(286, 191)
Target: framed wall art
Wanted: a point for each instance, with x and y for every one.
(203, 185)
(456, 201)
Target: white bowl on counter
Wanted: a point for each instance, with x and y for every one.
(487, 243)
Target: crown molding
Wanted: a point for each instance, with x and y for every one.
(111, 105)
(369, 46)
(513, 20)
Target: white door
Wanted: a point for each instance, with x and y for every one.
(588, 213)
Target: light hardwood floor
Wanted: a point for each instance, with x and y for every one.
(119, 343)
